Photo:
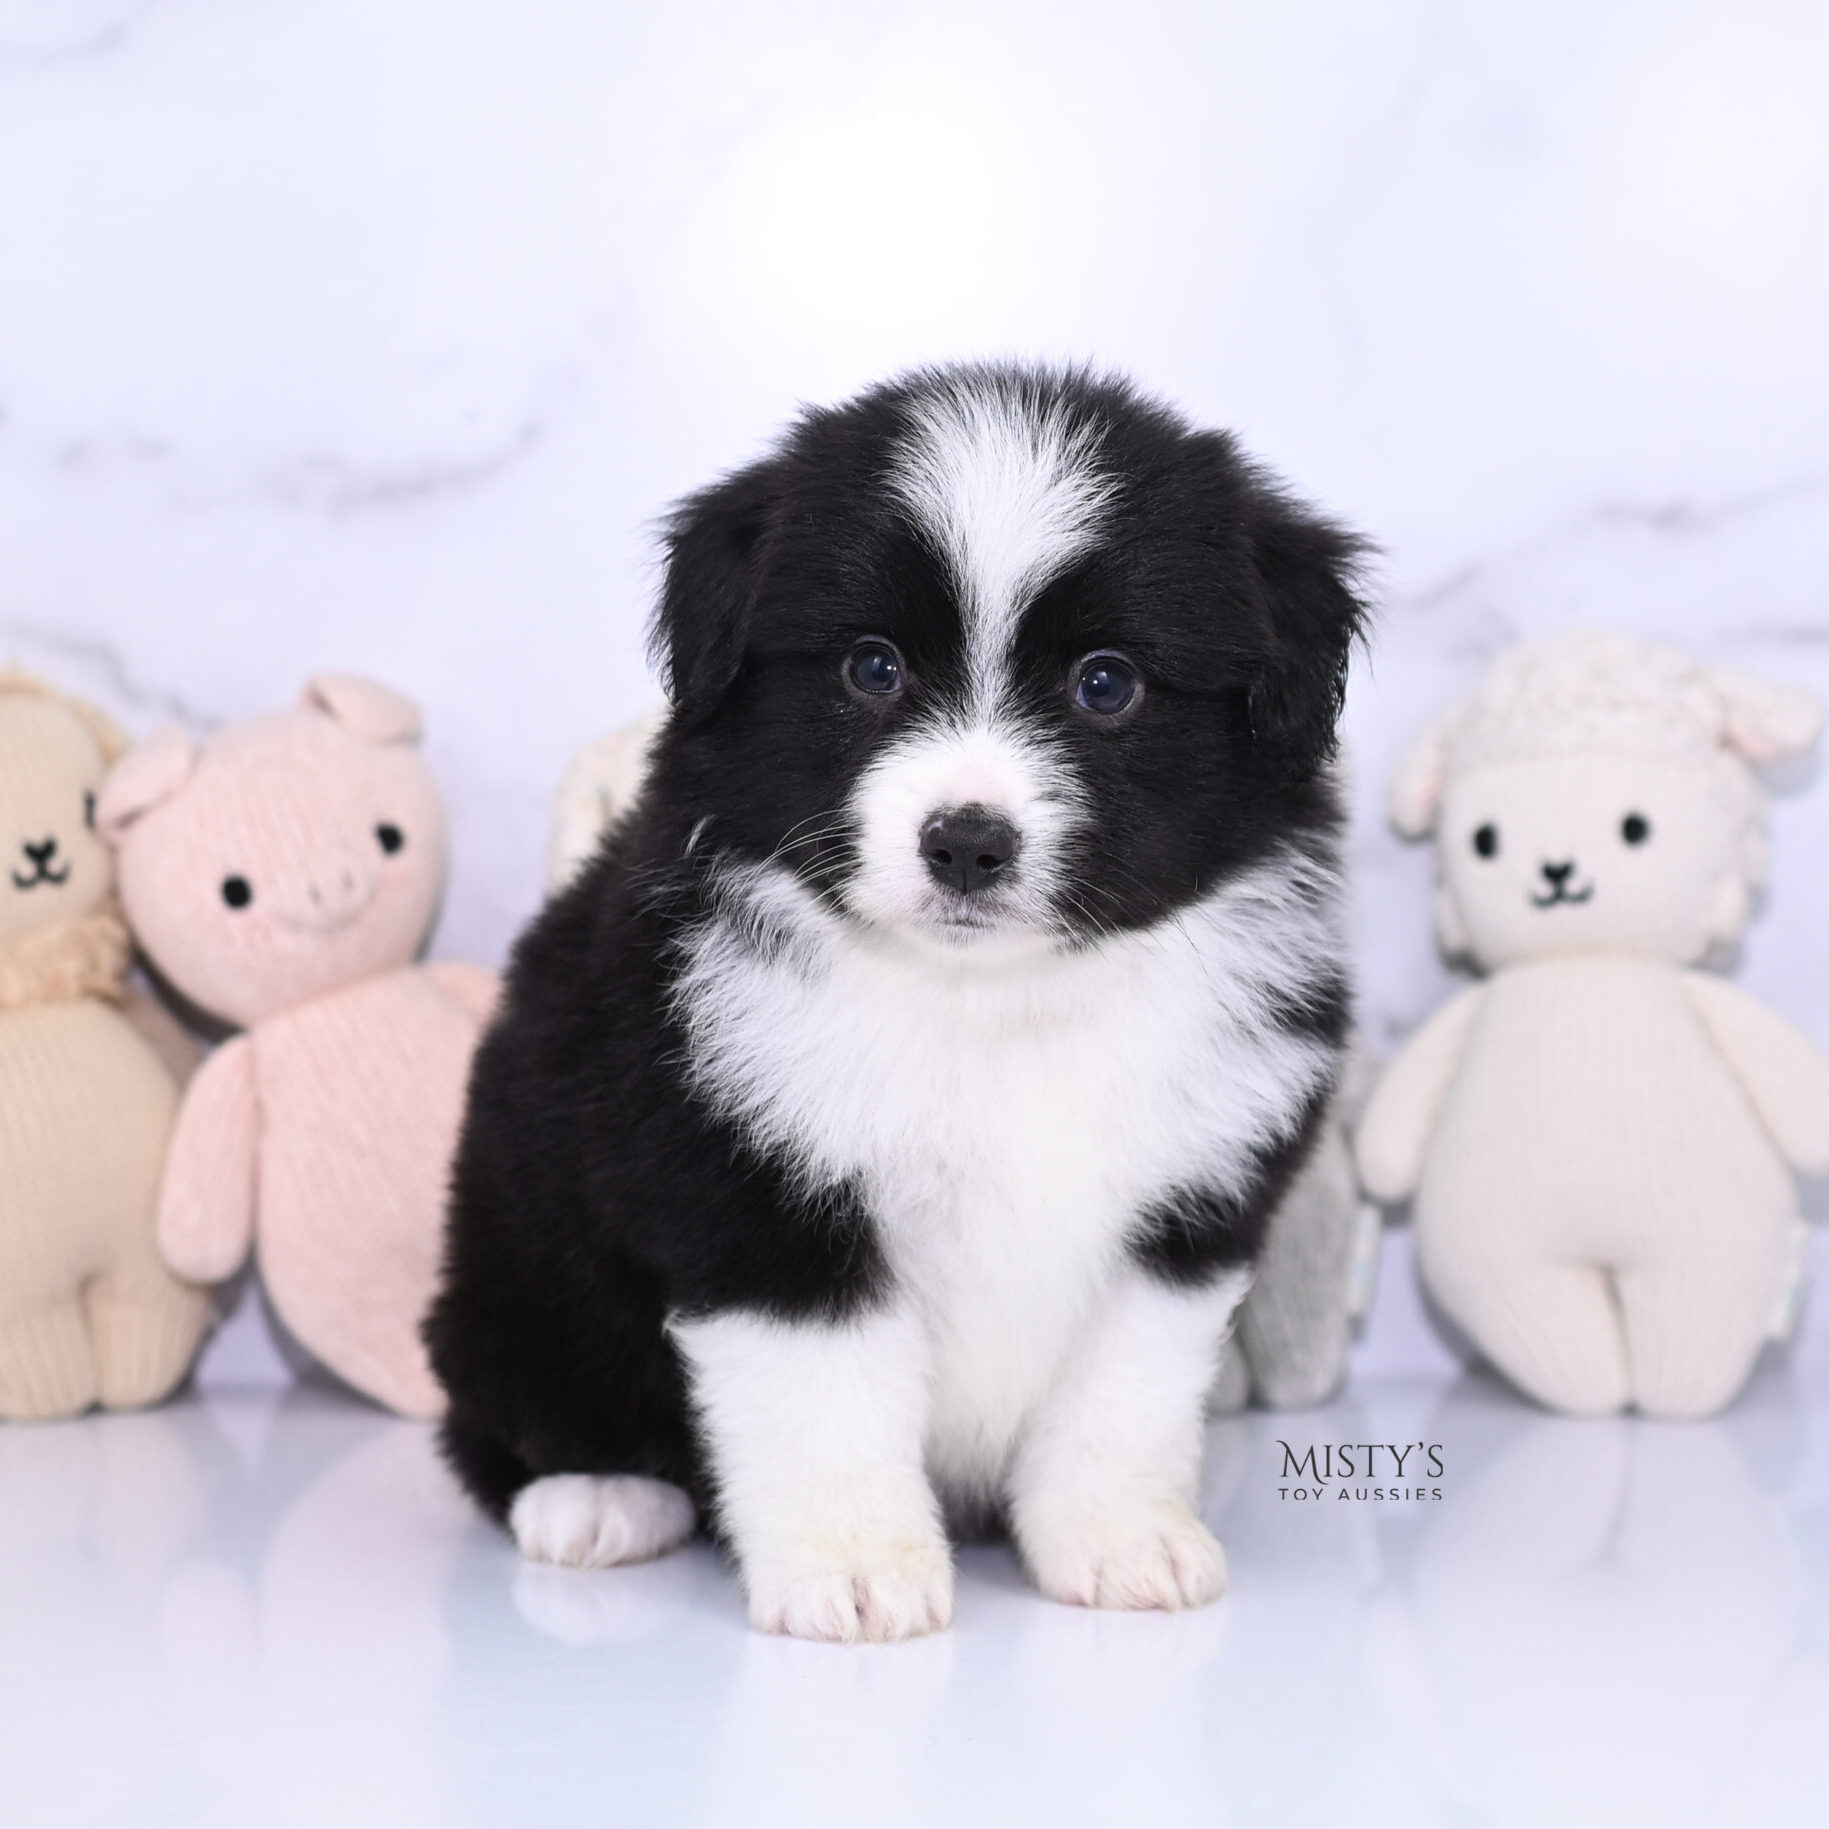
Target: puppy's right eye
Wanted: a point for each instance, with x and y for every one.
(1486, 841)
(1106, 684)
(875, 668)
(237, 891)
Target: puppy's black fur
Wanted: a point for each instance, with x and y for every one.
(595, 1192)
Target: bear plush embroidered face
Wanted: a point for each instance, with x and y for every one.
(54, 754)
(1596, 794)
(281, 858)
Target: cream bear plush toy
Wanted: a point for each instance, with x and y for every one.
(282, 875)
(88, 1312)
(1598, 1137)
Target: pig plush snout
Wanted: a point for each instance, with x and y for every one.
(335, 894)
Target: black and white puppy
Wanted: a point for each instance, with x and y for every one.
(879, 1131)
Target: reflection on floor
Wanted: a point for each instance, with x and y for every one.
(264, 1609)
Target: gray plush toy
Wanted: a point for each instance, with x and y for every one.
(1288, 1346)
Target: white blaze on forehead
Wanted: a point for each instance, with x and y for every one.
(1010, 492)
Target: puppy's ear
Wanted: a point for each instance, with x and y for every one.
(1309, 569)
(714, 542)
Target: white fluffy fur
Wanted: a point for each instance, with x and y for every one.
(1101, 1494)
(951, 763)
(1009, 497)
(582, 1521)
(815, 1432)
(1007, 1122)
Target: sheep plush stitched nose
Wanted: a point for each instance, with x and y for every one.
(1557, 876)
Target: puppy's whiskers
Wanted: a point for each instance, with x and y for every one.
(836, 821)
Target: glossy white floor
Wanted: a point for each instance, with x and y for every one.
(272, 1608)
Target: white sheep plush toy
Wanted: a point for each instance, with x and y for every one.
(1598, 1137)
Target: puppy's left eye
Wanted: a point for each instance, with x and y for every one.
(390, 838)
(1105, 683)
(1635, 828)
(89, 811)
(875, 668)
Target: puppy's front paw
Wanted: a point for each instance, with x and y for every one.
(846, 1591)
(586, 1521)
(1141, 1556)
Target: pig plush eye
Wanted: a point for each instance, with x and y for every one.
(237, 891)
(390, 838)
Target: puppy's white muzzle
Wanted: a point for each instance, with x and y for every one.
(960, 831)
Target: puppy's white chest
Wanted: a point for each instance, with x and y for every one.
(1006, 1243)
(1007, 1126)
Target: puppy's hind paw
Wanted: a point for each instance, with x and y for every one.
(589, 1521)
(1148, 1557)
(845, 1593)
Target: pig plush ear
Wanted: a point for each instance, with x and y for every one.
(1764, 720)
(370, 713)
(149, 773)
(1414, 798)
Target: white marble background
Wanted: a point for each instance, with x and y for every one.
(374, 334)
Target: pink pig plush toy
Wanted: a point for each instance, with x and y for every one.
(282, 876)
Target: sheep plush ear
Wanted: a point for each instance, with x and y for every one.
(1414, 799)
(149, 774)
(369, 712)
(715, 545)
(1763, 720)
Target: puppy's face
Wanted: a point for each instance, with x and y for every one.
(1000, 659)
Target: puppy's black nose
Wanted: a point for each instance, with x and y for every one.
(42, 854)
(966, 847)
(1559, 874)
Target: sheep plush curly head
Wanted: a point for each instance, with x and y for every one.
(1596, 794)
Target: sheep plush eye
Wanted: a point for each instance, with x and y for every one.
(89, 811)
(1486, 841)
(875, 668)
(1635, 828)
(390, 838)
(237, 891)
(1105, 683)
